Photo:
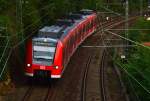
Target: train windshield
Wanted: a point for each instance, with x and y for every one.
(43, 53)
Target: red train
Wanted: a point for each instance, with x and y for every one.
(48, 53)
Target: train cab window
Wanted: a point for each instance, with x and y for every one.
(43, 52)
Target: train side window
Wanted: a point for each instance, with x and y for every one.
(70, 45)
(66, 51)
(79, 35)
(65, 54)
(92, 24)
(95, 22)
(86, 27)
(82, 35)
(72, 41)
(76, 38)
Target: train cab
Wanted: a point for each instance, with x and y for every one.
(43, 53)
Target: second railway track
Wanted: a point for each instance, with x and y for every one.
(102, 78)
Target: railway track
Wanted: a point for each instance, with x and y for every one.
(30, 92)
(84, 88)
(85, 76)
(49, 93)
(102, 78)
(84, 81)
(104, 89)
(110, 83)
(106, 83)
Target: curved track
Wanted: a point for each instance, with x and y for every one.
(34, 90)
(102, 78)
(84, 81)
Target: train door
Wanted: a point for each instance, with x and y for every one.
(79, 34)
(65, 53)
(72, 42)
(67, 50)
(84, 29)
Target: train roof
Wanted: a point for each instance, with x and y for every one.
(74, 16)
(86, 12)
(51, 31)
(64, 22)
(63, 26)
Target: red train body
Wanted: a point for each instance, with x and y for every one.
(49, 53)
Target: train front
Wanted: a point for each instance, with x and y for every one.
(43, 57)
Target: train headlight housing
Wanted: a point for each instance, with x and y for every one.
(28, 65)
(56, 67)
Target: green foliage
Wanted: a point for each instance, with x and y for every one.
(3, 5)
(140, 35)
(138, 64)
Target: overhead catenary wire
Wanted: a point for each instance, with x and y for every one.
(28, 35)
(40, 9)
(137, 43)
(1, 73)
(132, 76)
(139, 72)
(129, 74)
(133, 89)
(5, 49)
(34, 23)
(116, 13)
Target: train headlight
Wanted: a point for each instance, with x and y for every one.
(28, 65)
(56, 67)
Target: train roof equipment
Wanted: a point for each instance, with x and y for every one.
(74, 16)
(64, 22)
(86, 12)
(63, 25)
(51, 31)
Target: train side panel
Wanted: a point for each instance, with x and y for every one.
(76, 37)
(58, 61)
